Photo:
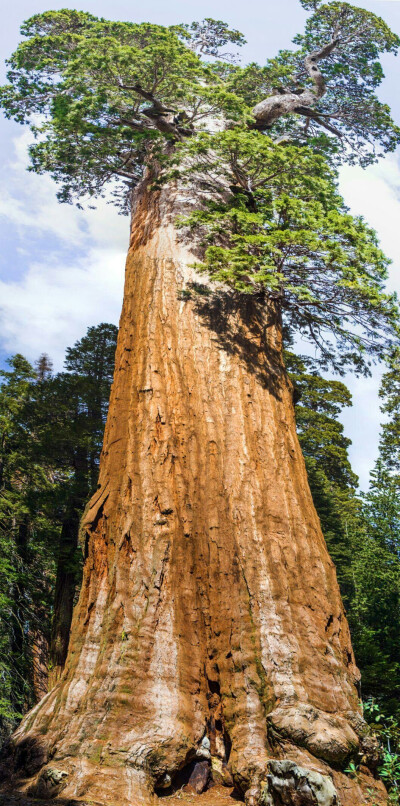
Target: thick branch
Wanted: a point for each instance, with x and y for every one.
(276, 106)
(158, 113)
(148, 96)
(313, 70)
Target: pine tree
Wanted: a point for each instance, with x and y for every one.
(26, 532)
(333, 484)
(362, 532)
(51, 436)
(74, 406)
(375, 609)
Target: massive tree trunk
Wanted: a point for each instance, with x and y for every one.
(209, 606)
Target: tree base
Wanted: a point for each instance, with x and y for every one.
(294, 779)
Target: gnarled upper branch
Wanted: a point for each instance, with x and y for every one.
(276, 106)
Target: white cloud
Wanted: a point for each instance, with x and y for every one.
(373, 193)
(28, 200)
(54, 301)
(52, 305)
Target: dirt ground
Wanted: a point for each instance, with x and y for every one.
(217, 796)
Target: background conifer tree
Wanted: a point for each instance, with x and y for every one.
(51, 429)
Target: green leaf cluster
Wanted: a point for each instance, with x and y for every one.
(375, 610)
(107, 100)
(352, 73)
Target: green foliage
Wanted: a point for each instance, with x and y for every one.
(107, 99)
(390, 430)
(84, 76)
(362, 532)
(375, 611)
(318, 404)
(111, 95)
(284, 231)
(352, 73)
(26, 533)
(71, 408)
(70, 415)
(310, 5)
(387, 730)
(209, 36)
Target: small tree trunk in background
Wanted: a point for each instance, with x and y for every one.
(209, 604)
(64, 595)
(68, 564)
(20, 644)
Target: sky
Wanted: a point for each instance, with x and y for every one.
(61, 269)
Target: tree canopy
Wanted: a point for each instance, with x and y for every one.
(107, 91)
(107, 100)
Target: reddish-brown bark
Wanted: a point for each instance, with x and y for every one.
(209, 603)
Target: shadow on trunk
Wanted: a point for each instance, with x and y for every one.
(246, 326)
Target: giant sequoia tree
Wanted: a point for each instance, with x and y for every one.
(209, 627)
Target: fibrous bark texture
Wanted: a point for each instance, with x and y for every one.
(209, 626)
